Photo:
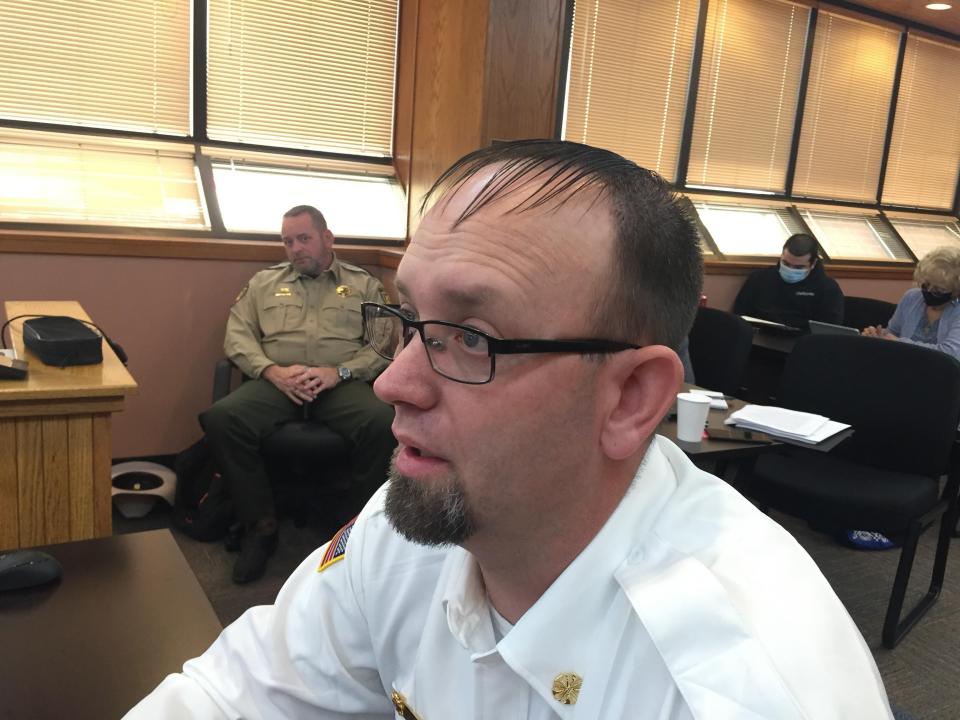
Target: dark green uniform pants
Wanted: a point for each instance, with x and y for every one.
(236, 425)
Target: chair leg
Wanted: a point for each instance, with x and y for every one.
(894, 629)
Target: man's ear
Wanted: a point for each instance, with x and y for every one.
(642, 386)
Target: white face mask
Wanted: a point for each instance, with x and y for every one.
(793, 275)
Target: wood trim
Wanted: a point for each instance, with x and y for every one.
(102, 482)
(9, 493)
(80, 443)
(405, 92)
(56, 474)
(77, 243)
(268, 251)
(30, 495)
(50, 403)
(838, 270)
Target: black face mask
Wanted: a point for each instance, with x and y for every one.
(935, 299)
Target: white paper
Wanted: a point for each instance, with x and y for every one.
(717, 401)
(9, 352)
(780, 420)
(789, 424)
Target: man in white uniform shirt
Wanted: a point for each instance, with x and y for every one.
(538, 552)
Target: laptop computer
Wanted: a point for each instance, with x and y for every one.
(769, 326)
(825, 328)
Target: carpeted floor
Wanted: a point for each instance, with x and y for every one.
(921, 674)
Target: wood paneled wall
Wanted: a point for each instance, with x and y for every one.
(524, 55)
(471, 71)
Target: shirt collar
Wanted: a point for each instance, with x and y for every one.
(559, 632)
(464, 600)
(293, 274)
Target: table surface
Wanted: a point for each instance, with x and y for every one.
(127, 612)
(109, 378)
(713, 449)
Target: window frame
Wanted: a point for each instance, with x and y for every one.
(114, 239)
(716, 261)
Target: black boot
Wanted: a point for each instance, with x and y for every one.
(233, 540)
(258, 544)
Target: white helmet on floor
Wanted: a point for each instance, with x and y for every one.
(138, 484)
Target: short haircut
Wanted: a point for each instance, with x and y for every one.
(657, 262)
(940, 267)
(316, 217)
(802, 244)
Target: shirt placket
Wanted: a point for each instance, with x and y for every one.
(500, 693)
(313, 311)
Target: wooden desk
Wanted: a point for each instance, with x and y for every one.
(713, 449)
(127, 612)
(55, 451)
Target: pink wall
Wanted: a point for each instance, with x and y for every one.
(169, 315)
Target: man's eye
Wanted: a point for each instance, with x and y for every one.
(472, 341)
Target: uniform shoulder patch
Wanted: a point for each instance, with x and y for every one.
(242, 293)
(337, 548)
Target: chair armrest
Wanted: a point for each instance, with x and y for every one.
(222, 378)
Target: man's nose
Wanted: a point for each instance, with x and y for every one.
(408, 378)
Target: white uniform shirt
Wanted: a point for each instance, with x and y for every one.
(689, 603)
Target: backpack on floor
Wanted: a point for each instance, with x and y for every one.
(201, 507)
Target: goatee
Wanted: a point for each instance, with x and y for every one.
(426, 514)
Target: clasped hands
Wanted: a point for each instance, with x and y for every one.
(880, 332)
(301, 383)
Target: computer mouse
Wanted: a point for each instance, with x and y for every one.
(26, 568)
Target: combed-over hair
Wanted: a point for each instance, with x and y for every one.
(657, 262)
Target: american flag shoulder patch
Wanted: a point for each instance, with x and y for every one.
(337, 547)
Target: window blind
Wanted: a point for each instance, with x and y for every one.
(59, 177)
(923, 234)
(925, 149)
(97, 63)
(628, 78)
(747, 99)
(854, 235)
(316, 75)
(847, 107)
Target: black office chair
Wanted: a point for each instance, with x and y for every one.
(861, 312)
(307, 461)
(719, 347)
(903, 402)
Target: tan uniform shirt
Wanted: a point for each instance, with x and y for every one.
(284, 318)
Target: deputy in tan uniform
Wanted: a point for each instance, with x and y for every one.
(296, 329)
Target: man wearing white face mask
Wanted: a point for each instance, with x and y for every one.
(793, 291)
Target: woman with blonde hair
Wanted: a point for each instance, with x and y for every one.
(929, 315)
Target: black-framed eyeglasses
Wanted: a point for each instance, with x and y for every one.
(460, 352)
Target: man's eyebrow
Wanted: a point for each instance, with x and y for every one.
(459, 297)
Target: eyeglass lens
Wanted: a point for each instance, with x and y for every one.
(453, 350)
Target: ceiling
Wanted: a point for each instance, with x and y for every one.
(916, 11)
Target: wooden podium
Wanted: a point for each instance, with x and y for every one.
(55, 453)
